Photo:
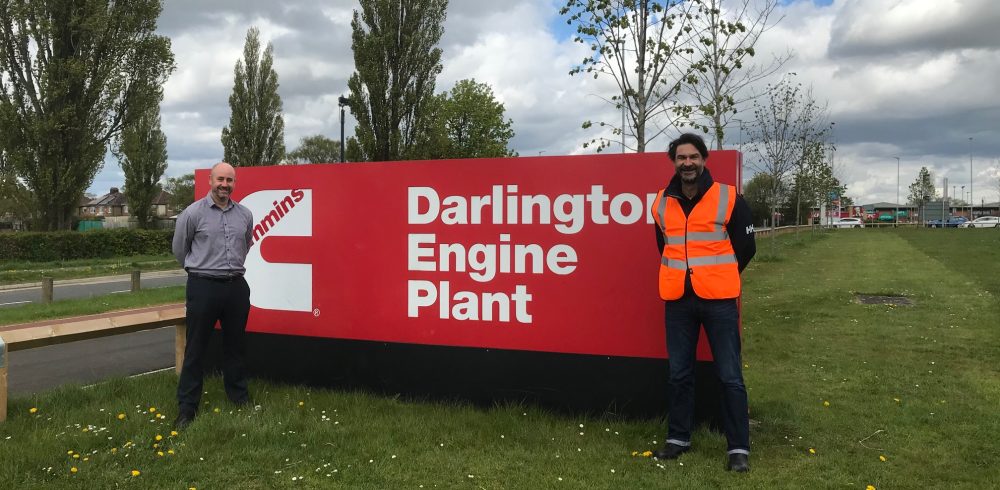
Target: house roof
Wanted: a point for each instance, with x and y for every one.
(113, 198)
(117, 198)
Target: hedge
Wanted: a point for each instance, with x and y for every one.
(66, 245)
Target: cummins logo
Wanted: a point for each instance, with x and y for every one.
(279, 286)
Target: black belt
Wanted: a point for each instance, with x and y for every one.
(216, 278)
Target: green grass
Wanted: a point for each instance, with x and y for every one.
(918, 385)
(15, 272)
(90, 306)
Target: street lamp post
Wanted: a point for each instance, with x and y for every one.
(342, 101)
(971, 202)
(896, 218)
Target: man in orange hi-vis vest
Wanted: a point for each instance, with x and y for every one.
(705, 234)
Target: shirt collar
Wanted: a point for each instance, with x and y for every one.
(211, 203)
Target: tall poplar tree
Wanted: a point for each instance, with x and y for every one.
(397, 62)
(256, 132)
(69, 70)
(142, 154)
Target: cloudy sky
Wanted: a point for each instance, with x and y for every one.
(908, 78)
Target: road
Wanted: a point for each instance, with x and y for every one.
(89, 361)
(78, 288)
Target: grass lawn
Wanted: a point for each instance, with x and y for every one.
(89, 306)
(16, 272)
(843, 395)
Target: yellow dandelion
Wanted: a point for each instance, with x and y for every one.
(156, 445)
(635, 453)
(870, 487)
(216, 409)
(882, 458)
(33, 410)
(159, 453)
(70, 452)
(76, 456)
(812, 451)
(86, 429)
(73, 470)
(302, 404)
(136, 473)
(192, 488)
(895, 400)
(826, 403)
(159, 437)
(114, 450)
(86, 459)
(170, 451)
(647, 454)
(121, 416)
(152, 409)
(173, 433)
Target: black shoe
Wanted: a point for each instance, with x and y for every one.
(183, 420)
(738, 462)
(670, 451)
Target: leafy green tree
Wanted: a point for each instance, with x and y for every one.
(70, 69)
(467, 122)
(637, 44)
(814, 186)
(922, 189)
(181, 190)
(725, 35)
(256, 132)
(16, 201)
(315, 149)
(787, 136)
(142, 154)
(397, 62)
(757, 193)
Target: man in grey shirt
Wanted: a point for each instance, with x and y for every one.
(211, 241)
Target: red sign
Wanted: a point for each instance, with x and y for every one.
(551, 254)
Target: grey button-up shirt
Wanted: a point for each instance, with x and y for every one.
(211, 240)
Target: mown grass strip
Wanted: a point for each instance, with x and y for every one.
(90, 306)
(16, 272)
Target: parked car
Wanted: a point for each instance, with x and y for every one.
(983, 222)
(849, 223)
(951, 222)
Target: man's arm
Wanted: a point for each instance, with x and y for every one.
(741, 234)
(183, 234)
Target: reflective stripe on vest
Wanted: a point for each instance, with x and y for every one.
(706, 253)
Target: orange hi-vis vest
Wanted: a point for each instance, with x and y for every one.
(698, 244)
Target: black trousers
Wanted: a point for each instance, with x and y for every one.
(208, 301)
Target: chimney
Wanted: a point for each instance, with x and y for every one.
(114, 190)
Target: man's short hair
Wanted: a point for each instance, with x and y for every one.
(688, 139)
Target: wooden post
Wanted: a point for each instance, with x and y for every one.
(46, 290)
(135, 280)
(180, 343)
(3, 380)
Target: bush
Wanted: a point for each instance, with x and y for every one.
(66, 245)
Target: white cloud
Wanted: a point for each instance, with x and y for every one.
(907, 78)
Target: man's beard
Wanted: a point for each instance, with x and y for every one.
(226, 189)
(690, 180)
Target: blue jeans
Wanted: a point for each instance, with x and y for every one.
(720, 318)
